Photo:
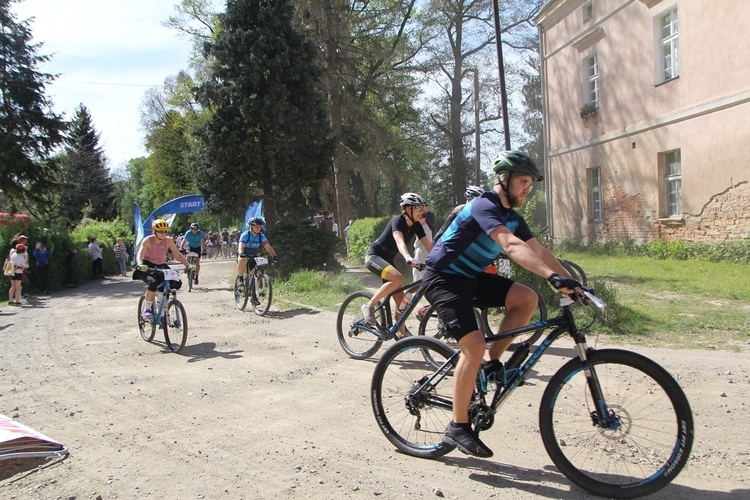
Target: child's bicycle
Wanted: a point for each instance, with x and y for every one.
(360, 339)
(613, 421)
(167, 313)
(254, 286)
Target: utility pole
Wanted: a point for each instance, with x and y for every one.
(501, 68)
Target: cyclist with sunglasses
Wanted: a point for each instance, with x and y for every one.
(380, 257)
(153, 253)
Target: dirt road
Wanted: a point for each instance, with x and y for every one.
(271, 407)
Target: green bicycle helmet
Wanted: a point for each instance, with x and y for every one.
(516, 162)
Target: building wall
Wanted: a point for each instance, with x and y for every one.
(703, 112)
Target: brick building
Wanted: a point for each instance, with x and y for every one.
(647, 119)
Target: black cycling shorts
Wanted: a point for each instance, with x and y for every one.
(378, 266)
(455, 297)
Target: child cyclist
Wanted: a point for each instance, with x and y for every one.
(153, 253)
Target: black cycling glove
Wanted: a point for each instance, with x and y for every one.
(559, 282)
(275, 258)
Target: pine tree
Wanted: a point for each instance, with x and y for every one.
(88, 190)
(29, 130)
(268, 134)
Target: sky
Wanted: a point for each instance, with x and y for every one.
(107, 53)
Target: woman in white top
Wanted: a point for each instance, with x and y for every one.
(18, 258)
(96, 258)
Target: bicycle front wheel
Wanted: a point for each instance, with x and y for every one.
(146, 327)
(190, 277)
(175, 325)
(261, 294)
(493, 316)
(412, 398)
(650, 432)
(240, 293)
(357, 342)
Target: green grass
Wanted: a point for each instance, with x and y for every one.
(317, 289)
(670, 303)
(676, 303)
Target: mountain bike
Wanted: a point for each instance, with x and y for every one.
(613, 421)
(360, 339)
(254, 286)
(167, 313)
(191, 256)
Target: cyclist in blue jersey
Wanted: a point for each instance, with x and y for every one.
(379, 258)
(195, 241)
(454, 281)
(249, 245)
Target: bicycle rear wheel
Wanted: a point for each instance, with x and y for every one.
(261, 293)
(175, 325)
(357, 342)
(412, 399)
(493, 316)
(240, 293)
(651, 434)
(146, 327)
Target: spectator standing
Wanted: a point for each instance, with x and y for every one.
(24, 278)
(42, 256)
(326, 222)
(71, 268)
(96, 258)
(121, 254)
(346, 236)
(18, 258)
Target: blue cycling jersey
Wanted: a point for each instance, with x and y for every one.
(466, 248)
(252, 242)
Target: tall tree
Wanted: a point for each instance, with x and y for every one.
(463, 41)
(268, 134)
(369, 49)
(88, 190)
(29, 130)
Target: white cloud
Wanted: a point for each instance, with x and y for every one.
(107, 53)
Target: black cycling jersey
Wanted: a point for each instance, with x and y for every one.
(385, 245)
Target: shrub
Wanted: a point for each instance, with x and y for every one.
(302, 246)
(362, 233)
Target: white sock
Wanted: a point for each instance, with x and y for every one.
(147, 305)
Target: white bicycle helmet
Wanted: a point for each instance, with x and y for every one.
(411, 199)
(473, 192)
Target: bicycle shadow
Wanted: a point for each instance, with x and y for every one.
(549, 482)
(286, 314)
(201, 352)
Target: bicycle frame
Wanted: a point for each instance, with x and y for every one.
(384, 332)
(166, 292)
(563, 323)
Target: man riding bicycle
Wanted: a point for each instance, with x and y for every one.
(152, 253)
(195, 241)
(454, 282)
(381, 255)
(249, 245)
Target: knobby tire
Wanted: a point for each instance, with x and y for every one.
(357, 342)
(649, 446)
(410, 412)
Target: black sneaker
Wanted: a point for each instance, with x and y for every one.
(196, 280)
(463, 437)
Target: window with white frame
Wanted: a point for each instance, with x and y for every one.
(669, 52)
(591, 75)
(672, 181)
(596, 208)
(588, 11)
